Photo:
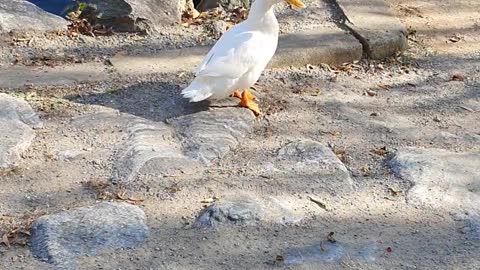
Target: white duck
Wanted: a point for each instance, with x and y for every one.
(239, 57)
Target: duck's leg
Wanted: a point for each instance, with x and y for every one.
(246, 100)
(237, 94)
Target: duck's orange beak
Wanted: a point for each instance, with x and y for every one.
(296, 3)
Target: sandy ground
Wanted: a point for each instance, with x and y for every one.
(407, 101)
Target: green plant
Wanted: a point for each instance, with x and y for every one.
(76, 7)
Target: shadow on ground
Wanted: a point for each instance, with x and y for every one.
(156, 101)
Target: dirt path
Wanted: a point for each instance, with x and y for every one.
(365, 113)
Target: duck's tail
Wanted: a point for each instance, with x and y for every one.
(196, 91)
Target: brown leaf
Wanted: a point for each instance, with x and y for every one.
(394, 192)
(382, 151)
(341, 154)
(209, 200)
(458, 77)
(335, 133)
(365, 170)
(5, 240)
(466, 108)
(318, 202)
(135, 199)
(383, 86)
(330, 237)
(121, 195)
(454, 39)
(370, 93)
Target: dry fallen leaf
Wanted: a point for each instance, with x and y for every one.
(458, 77)
(370, 93)
(209, 200)
(335, 133)
(454, 39)
(383, 86)
(466, 108)
(394, 192)
(341, 154)
(5, 240)
(365, 170)
(318, 202)
(330, 237)
(382, 151)
(322, 246)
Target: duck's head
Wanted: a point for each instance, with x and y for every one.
(294, 3)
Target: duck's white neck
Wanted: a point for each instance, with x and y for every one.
(262, 15)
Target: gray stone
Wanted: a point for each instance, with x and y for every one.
(23, 15)
(205, 5)
(323, 44)
(441, 179)
(328, 252)
(375, 25)
(247, 210)
(210, 135)
(152, 148)
(17, 119)
(15, 138)
(18, 109)
(61, 238)
(244, 212)
(136, 15)
(313, 160)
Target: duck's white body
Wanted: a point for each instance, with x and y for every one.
(239, 56)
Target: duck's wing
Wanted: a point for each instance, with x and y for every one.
(232, 56)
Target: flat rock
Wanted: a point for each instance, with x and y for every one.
(17, 119)
(321, 45)
(328, 252)
(60, 238)
(151, 148)
(21, 76)
(137, 15)
(15, 138)
(23, 16)
(242, 212)
(312, 162)
(18, 109)
(210, 135)
(375, 25)
(441, 179)
(247, 211)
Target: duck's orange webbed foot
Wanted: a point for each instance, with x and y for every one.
(247, 101)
